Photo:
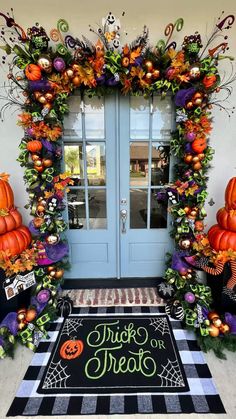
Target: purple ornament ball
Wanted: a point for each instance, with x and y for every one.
(30, 132)
(189, 297)
(188, 148)
(43, 296)
(190, 136)
(59, 64)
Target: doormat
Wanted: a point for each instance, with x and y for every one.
(114, 297)
(117, 360)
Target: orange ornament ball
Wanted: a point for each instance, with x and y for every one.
(125, 62)
(213, 315)
(34, 157)
(201, 156)
(47, 162)
(48, 106)
(199, 225)
(197, 166)
(52, 273)
(76, 81)
(187, 210)
(31, 314)
(38, 222)
(217, 322)
(188, 158)
(148, 76)
(39, 169)
(214, 331)
(149, 65)
(49, 96)
(224, 328)
(156, 74)
(59, 273)
(21, 325)
(50, 268)
(189, 105)
(69, 72)
(40, 208)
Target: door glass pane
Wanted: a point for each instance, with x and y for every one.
(76, 209)
(94, 118)
(158, 217)
(97, 208)
(96, 164)
(139, 118)
(74, 162)
(73, 121)
(138, 208)
(160, 164)
(139, 163)
(162, 118)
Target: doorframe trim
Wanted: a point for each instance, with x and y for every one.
(118, 197)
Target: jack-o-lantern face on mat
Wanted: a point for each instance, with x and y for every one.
(71, 349)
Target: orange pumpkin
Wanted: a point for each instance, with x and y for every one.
(230, 194)
(10, 221)
(6, 195)
(33, 72)
(199, 225)
(34, 146)
(199, 145)
(226, 219)
(15, 241)
(221, 239)
(71, 349)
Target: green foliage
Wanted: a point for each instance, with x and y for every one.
(218, 344)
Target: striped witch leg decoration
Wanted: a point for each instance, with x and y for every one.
(232, 280)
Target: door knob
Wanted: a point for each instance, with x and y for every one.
(123, 216)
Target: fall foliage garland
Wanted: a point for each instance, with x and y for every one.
(48, 75)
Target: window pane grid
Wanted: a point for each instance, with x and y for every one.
(90, 181)
(156, 132)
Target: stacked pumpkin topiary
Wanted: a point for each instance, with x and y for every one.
(222, 236)
(14, 236)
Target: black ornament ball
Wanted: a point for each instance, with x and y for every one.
(175, 310)
(166, 291)
(64, 306)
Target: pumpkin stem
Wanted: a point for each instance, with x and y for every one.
(4, 176)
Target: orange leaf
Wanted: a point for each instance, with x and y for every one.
(135, 54)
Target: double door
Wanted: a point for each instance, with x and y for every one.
(116, 150)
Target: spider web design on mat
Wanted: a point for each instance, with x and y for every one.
(56, 376)
(161, 325)
(71, 327)
(171, 375)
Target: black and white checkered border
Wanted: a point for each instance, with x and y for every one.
(202, 397)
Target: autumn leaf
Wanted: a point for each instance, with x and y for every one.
(183, 78)
(126, 50)
(127, 84)
(171, 53)
(190, 191)
(135, 54)
(25, 120)
(48, 194)
(86, 75)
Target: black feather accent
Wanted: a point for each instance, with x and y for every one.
(141, 40)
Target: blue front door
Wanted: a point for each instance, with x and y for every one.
(116, 150)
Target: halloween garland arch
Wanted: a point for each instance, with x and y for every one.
(45, 74)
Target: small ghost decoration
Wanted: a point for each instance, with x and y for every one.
(111, 27)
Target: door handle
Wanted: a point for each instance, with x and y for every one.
(123, 216)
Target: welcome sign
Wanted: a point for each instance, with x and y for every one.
(121, 354)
